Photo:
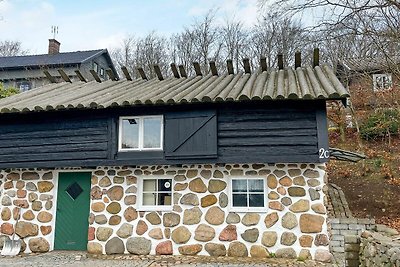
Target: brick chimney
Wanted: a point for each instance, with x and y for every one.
(54, 46)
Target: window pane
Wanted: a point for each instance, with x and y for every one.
(130, 133)
(149, 185)
(164, 185)
(239, 185)
(149, 199)
(239, 200)
(256, 185)
(164, 199)
(256, 200)
(152, 133)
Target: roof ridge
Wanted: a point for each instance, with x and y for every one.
(70, 52)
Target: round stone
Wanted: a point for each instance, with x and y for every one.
(96, 192)
(114, 246)
(323, 255)
(114, 220)
(131, 190)
(215, 186)
(228, 233)
(114, 207)
(6, 201)
(94, 248)
(251, 219)
(215, 250)
(218, 174)
(30, 176)
(100, 219)
(232, 218)
(289, 220)
(304, 255)
(204, 233)
(215, 216)
(208, 200)
(299, 181)
(272, 182)
(25, 229)
(301, 205)
(250, 235)
(281, 190)
(294, 172)
(118, 180)
(285, 181)
(205, 174)
(286, 253)
(237, 249)
(181, 235)
(275, 205)
(6, 214)
(287, 201)
(190, 199)
(269, 238)
(321, 240)
(288, 238)
(271, 219)
(48, 205)
(190, 249)
(310, 223)
(192, 216)
(164, 248)
(180, 186)
(47, 176)
(296, 191)
(318, 208)
(98, 206)
(179, 178)
(125, 230)
(13, 176)
(45, 186)
(314, 194)
(131, 180)
(103, 233)
(257, 251)
(197, 185)
(306, 241)
(7, 228)
(44, 217)
(45, 230)
(20, 184)
(105, 182)
(273, 195)
(130, 214)
(141, 227)
(313, 182)
(130, 200)
(191, 173)
(309, 173)
(153, 218)
(39, 245)
(171, 219)
(156, 233)
(115, 193)
(223, 200)
(30, 186)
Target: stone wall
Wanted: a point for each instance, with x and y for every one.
(200, 221)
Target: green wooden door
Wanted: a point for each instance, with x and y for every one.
(73, 199)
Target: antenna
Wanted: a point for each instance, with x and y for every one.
(54, 31)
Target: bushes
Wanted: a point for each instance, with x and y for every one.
(382, 123)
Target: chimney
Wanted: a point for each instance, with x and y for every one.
(54, 46)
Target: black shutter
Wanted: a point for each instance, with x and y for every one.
(191, 134)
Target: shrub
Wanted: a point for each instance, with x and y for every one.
(381, 123)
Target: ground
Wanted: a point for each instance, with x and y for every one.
(371, 186)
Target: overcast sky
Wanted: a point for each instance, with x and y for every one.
(94, 24)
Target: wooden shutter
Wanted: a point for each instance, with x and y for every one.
(191, 134)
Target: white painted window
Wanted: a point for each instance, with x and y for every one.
(382, 81)
(155, 192)
(248, 194)
(140, 133)
(95, 67)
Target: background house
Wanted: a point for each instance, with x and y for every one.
(26, 72)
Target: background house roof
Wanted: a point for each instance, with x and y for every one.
(368, 64)
(301, 83)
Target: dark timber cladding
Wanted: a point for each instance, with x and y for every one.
(266, 131)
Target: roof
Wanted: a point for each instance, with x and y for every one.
(301, 83)
(369, 63)
(68, 58)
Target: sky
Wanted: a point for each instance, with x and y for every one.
(97, 24)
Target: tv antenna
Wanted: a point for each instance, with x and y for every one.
(54, 31)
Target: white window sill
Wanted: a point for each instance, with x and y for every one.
(258, 210)
(155, 208)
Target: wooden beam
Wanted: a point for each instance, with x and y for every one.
(263, 63)
(246, 64)
(316, 57)
(213, 68)
(142, 74)
(48, 75)
(182, 71)
(111, 75)
(158, 72)
(229, 65)
(80, 76)
(175, 70)
(197, 68)
(297, 60)
(95, 76)
(126, 73)
(64, 76)
(280, 61)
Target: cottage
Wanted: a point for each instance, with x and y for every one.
(214, 164)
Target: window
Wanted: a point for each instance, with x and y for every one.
(382, 81)
(24, 86)
(141, 133)
(102, 72)
(95, 67)
(248, 194)
(156, 193)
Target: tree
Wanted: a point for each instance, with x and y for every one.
(9, 91)
(11, 48)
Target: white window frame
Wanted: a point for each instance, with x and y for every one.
(141, 207)
(141, 134)
(377, 87)
(247, 209)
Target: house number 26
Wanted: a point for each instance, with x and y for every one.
(323, 153)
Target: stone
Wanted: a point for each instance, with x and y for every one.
(118, 180)
(7, 228)
(285, 181)
(269, 238)
(205, 174)
(306, 241)
(45, 186)
(6, 214)
(131, 180)
(304, 255)
(13, 176)
(98, 206)
(180, 186)
(91, 218)
(44, 217)
(271, 219)
(318, 208)
(153, 218)
(286, 253)
(30, 186)
(228, 233)
(94, 248)
(237, 249)
(190, 249)
(32, 197)
(294, 172)
(215, 216)
(215, 250)
(11, 193)
(48, 205)
(314, 194)
(180, 235)
(288, 238)
(156, 233)
(323, 255)
(39, 245)
(215, 186)
(299, 181)
(8, 185)
(250, 235)
(321, 240)
(275, 205)
(96, 192)
(114, 207)
(311, 173)
(3, 239)
(257, 251)
(301, 205)
(191, 173)
(204, 233)
(30, 176)
(21, 203)
(125, 230)
(208, 200)
(237, 172)
(47, 176)
(105, 182)
(296, 191)
(131, 190)
(115, 193)
(180, 178)
(310, 223)
(141, 227)
(114, 220)
(130, 200)
(313, 182)
(232, 218)
(124, 172)
(114, 246)
(272, 182)
(251, 219)
(91, 233)
(197, 185)
(164, 248)
(171, 219)
(20, 184)
(6, 201)
(103, 233)
(46, 229)
(99, 172)
(177, 208)
(111, 172)
(218, 174)
(287, 201)
(25, 229)
(45, 197)
(289, 220)
(223, 200)
(100, 219)
(21, 193)
(192, 216)
(273, 195)
(176, 197)
(190, 199)
(130, 214)
(280, 173)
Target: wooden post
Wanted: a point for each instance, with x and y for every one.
(246, 64)
(111, 74)
(64, 76)
(213, 68)
(263, 63)
(48, 75)
(142, 74)
(316, 57)
(175, 70)
(182, 71)
(229, 65)
(158, 72)
(197, 68)
(297, 60)
(95, 76)
(126, 73)
(280, 61)
(80, 76)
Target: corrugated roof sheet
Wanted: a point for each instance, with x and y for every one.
(302, 83)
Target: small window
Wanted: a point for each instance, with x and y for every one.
(95, 67)
(141, 133)
(382, 81)
(102, 72)
(24, 86)
(248, 194)
(156, 193)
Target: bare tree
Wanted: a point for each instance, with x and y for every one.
(11, 48)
